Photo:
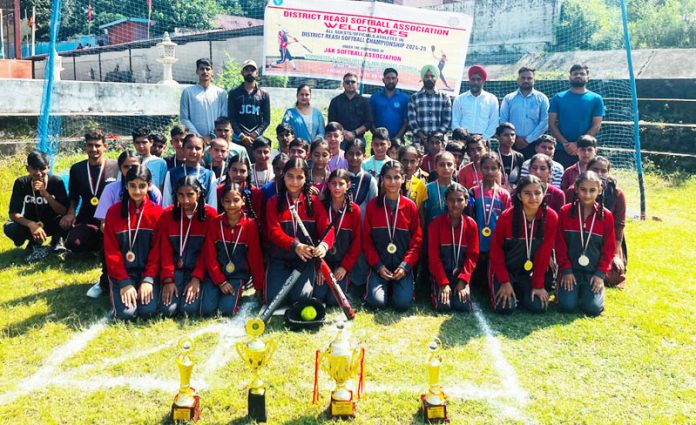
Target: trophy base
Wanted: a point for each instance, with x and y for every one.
(193, 413)
(434, 413)
(342, 408)
(256, 404)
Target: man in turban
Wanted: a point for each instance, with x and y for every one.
(429, 110)
(476, 110)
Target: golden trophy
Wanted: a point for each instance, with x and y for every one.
(257, 354)
(435, 400)
(342, 362)
(186, 406)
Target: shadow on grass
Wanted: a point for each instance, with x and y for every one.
(461, 327)
(74, 263)
(66, 304)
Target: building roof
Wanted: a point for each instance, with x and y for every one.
(120, 21)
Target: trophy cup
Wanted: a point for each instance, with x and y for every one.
(435, 400)
(342, 363)
(257, 354)
(186, 406)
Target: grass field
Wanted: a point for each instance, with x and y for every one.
(63, 361)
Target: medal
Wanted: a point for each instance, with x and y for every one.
(391, 247)
(40, 223)
(455, 272)
(487, 211)
(584, 260)
(229, 267)
(528, 240)
(332, 251)
(180, 263)
(94, 188)
(528, 265)
(130, 256)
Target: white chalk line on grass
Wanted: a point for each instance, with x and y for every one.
(506, 372)
(45, 374)
(229, 332)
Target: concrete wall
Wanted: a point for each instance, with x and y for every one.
(118, 99)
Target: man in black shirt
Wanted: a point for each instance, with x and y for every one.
(36, 205)
(351, 110)
(248, 108)
(87, 181)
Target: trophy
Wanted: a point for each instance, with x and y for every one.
(342, 363)
(435, 400)
(257, 354)
(186, 406)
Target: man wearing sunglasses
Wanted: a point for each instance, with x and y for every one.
(351, 110)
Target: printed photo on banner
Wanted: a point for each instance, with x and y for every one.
(329, 38)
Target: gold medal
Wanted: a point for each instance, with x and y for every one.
(180, 263)
(94, 201)
(40, 223)
(528, 265)
(130, 256)
(391, 248)
(455, 273)
(584, 260)
(486, 231)
(229, 267)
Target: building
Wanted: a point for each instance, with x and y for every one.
(126, 30)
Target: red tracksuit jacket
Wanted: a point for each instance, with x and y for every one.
(509, 253)
(145, 246)
(280, 229)
(347, 240)
(440, 235)
(408, 235)
(247, 257)
(169, 229)
(600, 249)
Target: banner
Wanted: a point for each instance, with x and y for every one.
(326, 39)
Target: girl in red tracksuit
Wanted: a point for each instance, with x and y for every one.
(345, 217)
(521, 250)
(320, 157)
(183, 228)
(239, 171)
(614, 200)
(456, 237)
(584, 247)
(232, 256)
(289, 247)
(131, 251)
(392, 239)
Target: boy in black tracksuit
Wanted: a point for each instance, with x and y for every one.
(37, 203)
(248, 108)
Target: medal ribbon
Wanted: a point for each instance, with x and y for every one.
(198, 170)
(259, 184)
(360, 182)
(131, 241)
(585, 243)
(224, 242)
(292, 216)
(487, 217)
(391, 231)
(184, 241)
(457, 249)
(528, 236)
(343, 215)
(94, 188)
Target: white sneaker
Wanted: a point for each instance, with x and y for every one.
(95, 291)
